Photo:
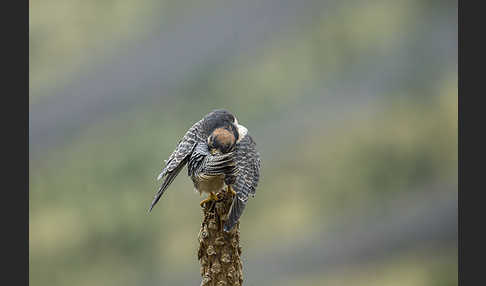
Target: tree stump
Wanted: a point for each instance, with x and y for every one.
(219, 252)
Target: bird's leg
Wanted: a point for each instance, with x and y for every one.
(211, 197)
(230, 189)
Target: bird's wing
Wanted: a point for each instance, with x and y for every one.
(178, 159)
(247, 161)
(184, 148)
(203, 162)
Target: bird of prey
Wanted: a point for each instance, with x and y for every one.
(219, 152)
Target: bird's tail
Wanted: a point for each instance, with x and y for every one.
(235, 212)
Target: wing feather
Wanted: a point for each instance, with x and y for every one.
(247, 160)
(184, 148)
(203, 162)
(178, 159)
(171, 175)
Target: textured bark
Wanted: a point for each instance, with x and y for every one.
(219, 252)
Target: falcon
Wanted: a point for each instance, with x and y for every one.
(220, 155)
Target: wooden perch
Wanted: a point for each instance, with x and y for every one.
(219, 252)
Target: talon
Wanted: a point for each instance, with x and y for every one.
(204, 201)
(211, 197)
(230, 189)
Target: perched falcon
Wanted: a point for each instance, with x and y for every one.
(219, 152)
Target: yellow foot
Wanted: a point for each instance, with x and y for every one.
(230, 189)
(211, 197)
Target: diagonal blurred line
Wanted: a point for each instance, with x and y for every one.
(210, 37)
(424, 218)
(213, 36)
(418, 218)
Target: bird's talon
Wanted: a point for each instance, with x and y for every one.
(204, 201)
(230, 189)
(219, 197)
(211, 197)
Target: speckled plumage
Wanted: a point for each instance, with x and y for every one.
(247, 160)
(239, 167)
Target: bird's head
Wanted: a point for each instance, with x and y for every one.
(224, 131)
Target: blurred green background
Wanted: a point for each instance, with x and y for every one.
(353, 105)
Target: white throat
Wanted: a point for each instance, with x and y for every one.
(242, 131)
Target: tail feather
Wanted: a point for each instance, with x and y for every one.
(235, 212)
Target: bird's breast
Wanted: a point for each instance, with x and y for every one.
(206, 184)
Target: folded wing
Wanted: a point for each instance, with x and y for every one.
(247, 160)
